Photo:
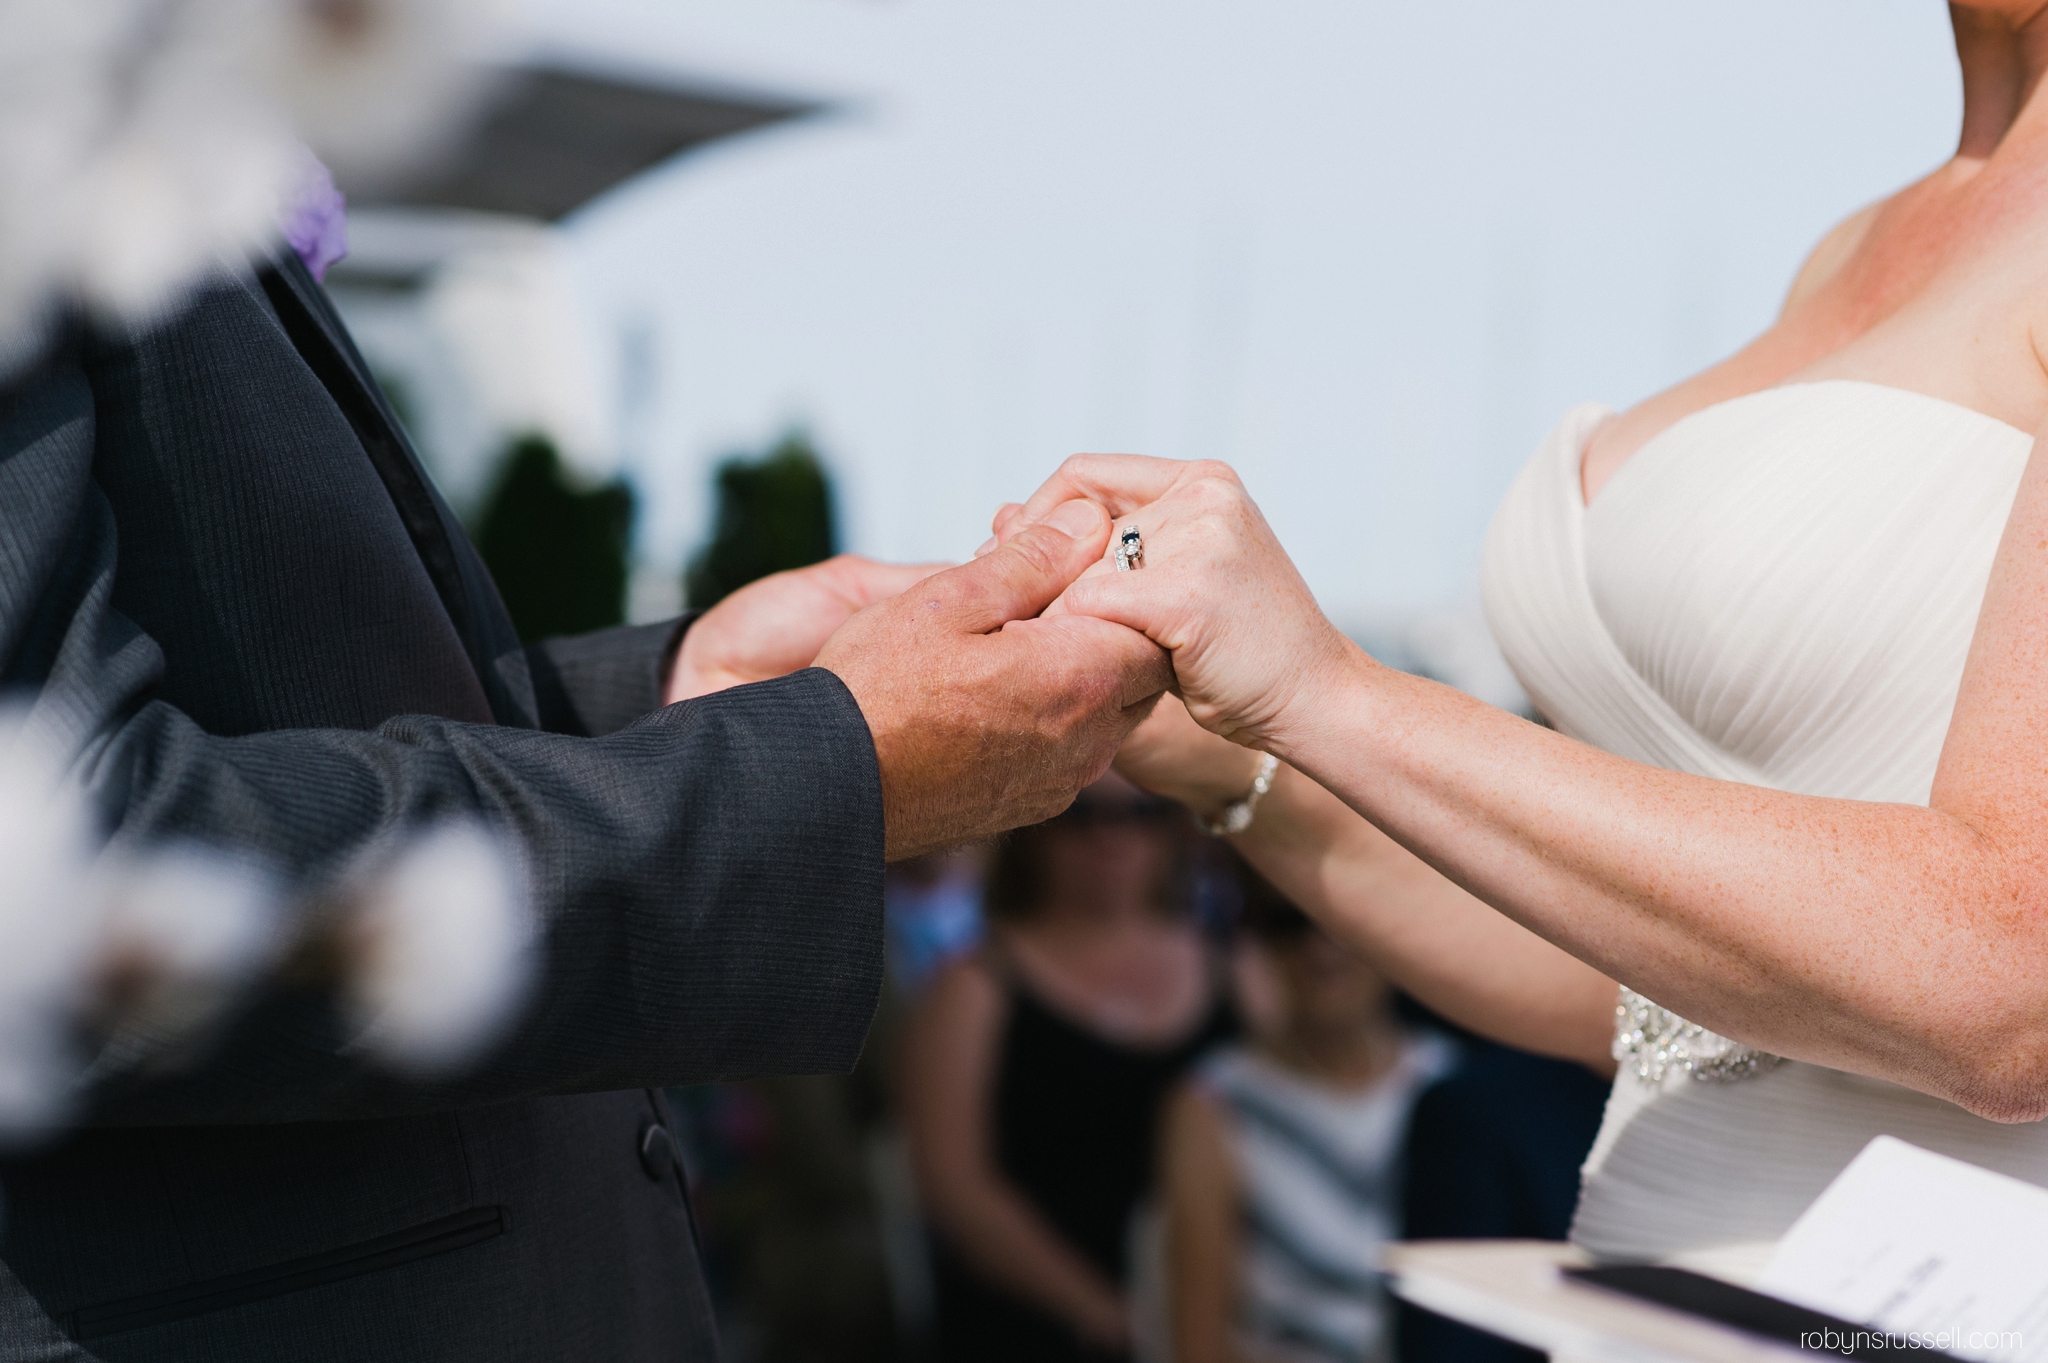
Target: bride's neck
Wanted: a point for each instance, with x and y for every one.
(2003, 58)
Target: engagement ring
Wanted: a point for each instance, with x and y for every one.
(1130, 550)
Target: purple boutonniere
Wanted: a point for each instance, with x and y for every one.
(315, 217)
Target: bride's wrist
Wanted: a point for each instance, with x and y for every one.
(1317, 700)
(1223, 785)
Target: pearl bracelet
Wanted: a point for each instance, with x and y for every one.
(1237, 815)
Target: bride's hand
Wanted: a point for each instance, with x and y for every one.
(1171, 755)
(1252, 652)
(776, 625)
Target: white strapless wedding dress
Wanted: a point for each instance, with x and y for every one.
(1779, 590)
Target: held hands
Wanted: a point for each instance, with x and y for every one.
(776, 626)
(1252, 652)
(1171, 755)
(984, 717)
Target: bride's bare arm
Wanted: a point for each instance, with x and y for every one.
(1420, 930)
(1905, 942)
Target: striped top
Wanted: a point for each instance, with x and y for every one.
(1320, 1173)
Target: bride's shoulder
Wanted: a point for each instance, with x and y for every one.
(1835, 250)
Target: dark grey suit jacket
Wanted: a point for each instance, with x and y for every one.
(230, 584)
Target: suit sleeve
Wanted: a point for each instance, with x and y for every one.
(709, 874)
(594, 684)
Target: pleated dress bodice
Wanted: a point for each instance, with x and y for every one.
(1779, 590)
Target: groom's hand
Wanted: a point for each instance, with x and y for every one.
(1252, 652)
(775, 626)
(985, 718)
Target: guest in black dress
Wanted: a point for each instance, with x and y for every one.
(1035, 1071)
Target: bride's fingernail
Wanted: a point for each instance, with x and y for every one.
(986, 545)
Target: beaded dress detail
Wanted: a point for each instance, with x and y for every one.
(1650, 1042)
(1779, 590)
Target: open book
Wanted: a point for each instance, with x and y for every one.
(1906, 1252)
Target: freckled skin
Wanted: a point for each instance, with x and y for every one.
(1508, 875)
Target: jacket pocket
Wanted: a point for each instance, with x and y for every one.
(257, 1284)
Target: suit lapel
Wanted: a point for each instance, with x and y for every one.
(458, 575)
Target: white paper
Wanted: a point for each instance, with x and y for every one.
(1924, 1248)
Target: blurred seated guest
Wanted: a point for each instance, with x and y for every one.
(1035, 1069)
(1494, 1151)
(1280, 1159)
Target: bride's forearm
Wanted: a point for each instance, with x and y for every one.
(1906, 942)
(1431, 938)
(1893, 940)
(1418, 929)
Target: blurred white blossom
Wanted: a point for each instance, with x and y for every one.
(375, 86)
(182, 933)
(146, 142)
(442, 944)
(106, 960)
(46, 935)
(128, 154)
(125, 959)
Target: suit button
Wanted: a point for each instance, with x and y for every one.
(657, 1152)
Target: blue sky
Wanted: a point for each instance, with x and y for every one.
(1367, 252)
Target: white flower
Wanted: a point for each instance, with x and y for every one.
(442, 948)
(145, 143)
(134, 152)
(375, 86)
(135, 953)
(182, 932)
(46, 935)
(139, 951)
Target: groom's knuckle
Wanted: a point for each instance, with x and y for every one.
(1033, 554)
(1100, 686)
(1085, 676)
(1065, 662)
(937, 598)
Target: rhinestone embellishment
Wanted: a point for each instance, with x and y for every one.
(1653, 1041)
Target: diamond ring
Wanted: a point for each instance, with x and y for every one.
(1130, 550)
